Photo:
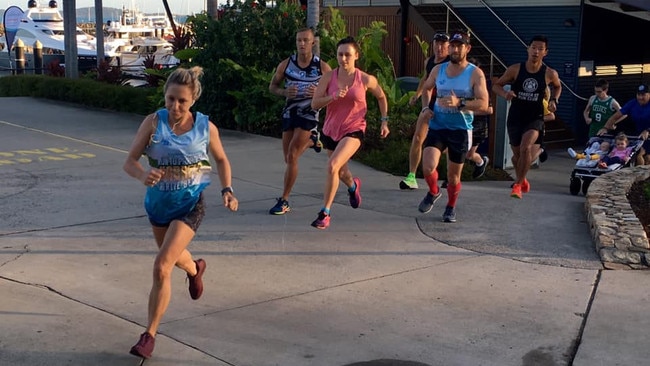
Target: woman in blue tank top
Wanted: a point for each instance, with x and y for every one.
(176, 143)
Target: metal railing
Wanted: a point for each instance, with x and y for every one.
(493, 55)
(564, 85)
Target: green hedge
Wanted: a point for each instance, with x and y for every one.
(81, 91)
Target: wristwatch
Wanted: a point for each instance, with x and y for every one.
(461, 103)
(226, 190)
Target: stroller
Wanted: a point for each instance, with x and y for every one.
(587, 169)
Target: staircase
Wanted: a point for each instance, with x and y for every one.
(443, 20)
(558, 135)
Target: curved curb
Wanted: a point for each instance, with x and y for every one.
(621, 241)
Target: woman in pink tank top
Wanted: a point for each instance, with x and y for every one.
(343, 92)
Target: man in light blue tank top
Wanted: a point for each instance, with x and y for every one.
(461, 91)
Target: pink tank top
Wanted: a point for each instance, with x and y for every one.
(348, 114)
(623, 154)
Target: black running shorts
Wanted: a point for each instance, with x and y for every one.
(516, 130)
(330, 144)
(457, 143)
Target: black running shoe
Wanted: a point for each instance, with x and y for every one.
(480, 170)
(449, 215)
(543, 156)
(315, 139)
(428, 201)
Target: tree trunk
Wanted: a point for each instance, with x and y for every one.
(99, 31)
(313, 16)
(213, 9)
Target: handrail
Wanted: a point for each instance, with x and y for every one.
(564, 85)
(492, 53)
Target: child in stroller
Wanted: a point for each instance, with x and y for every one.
(620, 154)
(592, 164)
(596, 148)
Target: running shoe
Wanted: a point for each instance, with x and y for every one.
(322, 221)
(281, 207)
(525, 186)
(355, 197)
(196, 281)
(516, 191)
(317, 145)
(144, 347)
(543, 156)
(449, 215)
(428, 201)
(480, 170)
(409, 182)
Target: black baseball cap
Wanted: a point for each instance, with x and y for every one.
(642, 89)
(459, 37)
(441, 36)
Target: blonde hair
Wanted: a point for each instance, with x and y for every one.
(186, 77)
(622, 137)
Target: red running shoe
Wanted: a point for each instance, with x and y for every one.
(196, 281)
(525, 186)
(516, 191)
(144, 347)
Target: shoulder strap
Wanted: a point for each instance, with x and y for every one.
(290, 59)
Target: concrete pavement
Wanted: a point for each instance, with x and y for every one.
(514, 282)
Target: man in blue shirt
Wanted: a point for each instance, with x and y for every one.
(638, 110)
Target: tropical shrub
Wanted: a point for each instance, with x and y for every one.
(237, 63)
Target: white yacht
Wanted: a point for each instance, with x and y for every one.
(146, 39)
(134, 55)
(45, 24)
(133, 23)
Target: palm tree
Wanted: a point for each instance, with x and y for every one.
(313, 12)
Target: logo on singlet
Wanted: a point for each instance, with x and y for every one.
(530, 85)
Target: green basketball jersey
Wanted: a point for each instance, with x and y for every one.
(600, 112)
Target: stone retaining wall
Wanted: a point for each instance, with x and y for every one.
(620, 239)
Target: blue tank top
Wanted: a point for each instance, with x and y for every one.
(186, 164)
(452, 118)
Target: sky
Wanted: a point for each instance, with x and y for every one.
(184, 7)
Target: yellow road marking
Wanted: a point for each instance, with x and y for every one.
(48, 154)
(64, 137)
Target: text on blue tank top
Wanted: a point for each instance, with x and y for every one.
(186, 165)
(451, 118)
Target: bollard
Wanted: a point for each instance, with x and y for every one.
(20, 56)
(38, 57)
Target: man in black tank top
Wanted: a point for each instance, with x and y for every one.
(295, 79)
(440, 54)
(528, 81)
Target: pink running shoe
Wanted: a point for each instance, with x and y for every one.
(322, 221)
(355, 197)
